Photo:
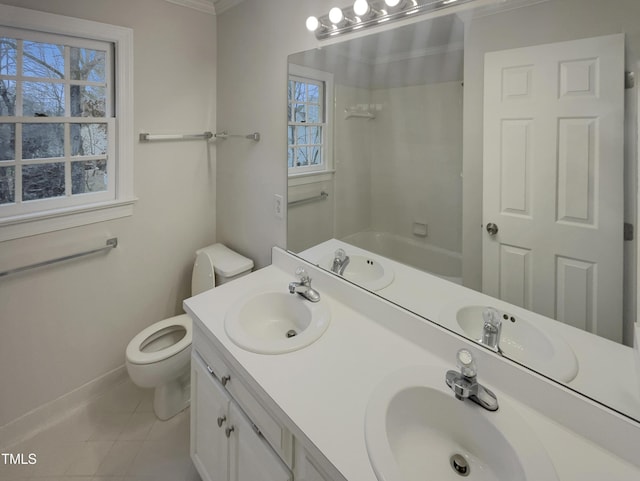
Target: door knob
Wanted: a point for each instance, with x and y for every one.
(225, 379)
(492, 228)
(228, 431)
(221, 420)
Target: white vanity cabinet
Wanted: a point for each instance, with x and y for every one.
(225, 444)
(305, 467)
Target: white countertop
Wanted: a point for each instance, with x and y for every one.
(321, 392)
(608, 377)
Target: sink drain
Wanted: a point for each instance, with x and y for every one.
(291, 333)
(460, 465)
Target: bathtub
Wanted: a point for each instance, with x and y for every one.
(434, 260)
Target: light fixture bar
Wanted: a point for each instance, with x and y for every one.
(380, 13)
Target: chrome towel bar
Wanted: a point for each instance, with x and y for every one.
(225, 135)
(323, 195)
(110, 244)
(146, 137)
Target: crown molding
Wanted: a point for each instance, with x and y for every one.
(224, 5)
(205, 6)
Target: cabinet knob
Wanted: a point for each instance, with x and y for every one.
(228, 431)
(221, 420)
(225, 379)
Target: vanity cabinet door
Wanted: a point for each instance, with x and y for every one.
(251, 458)
(209, 402)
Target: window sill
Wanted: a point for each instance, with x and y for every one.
(310, 177)
(41, 223)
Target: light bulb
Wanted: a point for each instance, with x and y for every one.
(361, 7)
(312, 24)
(392, 3)
(335, 15)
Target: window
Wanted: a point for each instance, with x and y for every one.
(308, 129)
(63, 150)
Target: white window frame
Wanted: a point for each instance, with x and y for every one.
(328, 109)
(94, 208)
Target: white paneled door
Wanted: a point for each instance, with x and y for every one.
(553, 180)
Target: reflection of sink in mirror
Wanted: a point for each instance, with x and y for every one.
(276, 322)
(367, 271)
(414, 425)
(521, 340)
(426, 257)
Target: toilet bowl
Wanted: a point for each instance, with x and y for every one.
(159, 356)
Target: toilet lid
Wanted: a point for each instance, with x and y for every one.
(135, 355)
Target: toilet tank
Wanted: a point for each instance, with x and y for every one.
(215, 265)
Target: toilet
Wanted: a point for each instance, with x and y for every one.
(159, 356)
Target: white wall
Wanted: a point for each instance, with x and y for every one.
(354, 147)
(417, 162)
(254, 41)
(65, 325)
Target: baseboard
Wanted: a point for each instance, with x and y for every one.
(42, 417)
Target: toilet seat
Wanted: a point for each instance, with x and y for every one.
(135, 355)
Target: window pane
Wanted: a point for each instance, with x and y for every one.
(7, 185)
(290, 90)
(7, 97)
(299, 92)
(302, 157)
(42, 141)
(44, 60)
(42, 99)
(88, 101)
(290, 157)
(7, 142)
(88, 139)
(300, 113)
(87, 64)
(316, 158)
(301, 135)
(88, 176)
(313, 114)
(42, 181)
(8, 56)
(315, 135)
(290, 130)
(313, 92)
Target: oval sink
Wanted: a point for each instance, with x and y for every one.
(524, 342)
(415, 429)
(276, 322)
(366, 271)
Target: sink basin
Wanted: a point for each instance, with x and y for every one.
(414, 427)
(276, 322)
(522, 341)
(367, 272)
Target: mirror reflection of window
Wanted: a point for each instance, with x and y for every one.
(307, 121)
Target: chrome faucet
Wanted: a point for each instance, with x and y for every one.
(491, 329)
(303, 287)
(340, 262)
(465, 385)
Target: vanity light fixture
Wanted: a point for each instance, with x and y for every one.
(363, 10)
(369, 13)
(314, 25)
(338, 18)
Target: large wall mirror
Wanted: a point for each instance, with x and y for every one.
(493, 148)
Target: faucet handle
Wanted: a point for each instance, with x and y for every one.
(492, 317)
(466, 363)
(301, 273)
(340, 254)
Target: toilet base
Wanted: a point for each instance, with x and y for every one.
(173, 397)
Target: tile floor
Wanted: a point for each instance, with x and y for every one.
(118, 438)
